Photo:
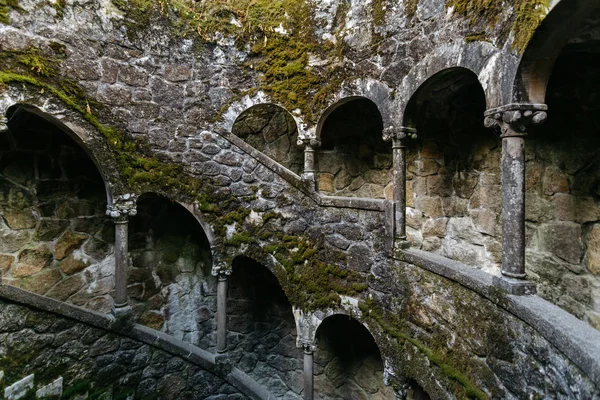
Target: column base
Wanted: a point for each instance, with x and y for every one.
(518, 287)
(122, 311)
(401, 244)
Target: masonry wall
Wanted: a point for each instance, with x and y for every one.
(54, 236)
(94, 362)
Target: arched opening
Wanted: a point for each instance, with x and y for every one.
(453, 188)
(563, 180)
(353, 159)
(272, 130)
(170, 284)
(416, 392)
(54, 236)
(262, 331)
(348, 364)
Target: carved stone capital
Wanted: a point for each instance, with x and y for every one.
(122, 208)
(391, 133)
(3, 124)
(221, 272)
(308, 141)
(516, 119)
(308, 347)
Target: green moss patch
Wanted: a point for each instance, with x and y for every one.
(525, 18)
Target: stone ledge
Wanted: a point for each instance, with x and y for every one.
(160, 340)
(578, 341)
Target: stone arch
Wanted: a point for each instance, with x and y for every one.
(271, 129)
(565, 19)
(353, 159)
(453, 174)
(261, 328)
(370, 89)
(348, 362)
(170, 284)
(55, 237)
(481, 58)
(563, 168)
(24, 111)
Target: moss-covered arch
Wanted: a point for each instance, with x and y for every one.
(488, 69)
(368, 89)
(48, 107)
(531, 79)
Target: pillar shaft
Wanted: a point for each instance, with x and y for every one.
(123, 207)
(398, 137)
(121, 257)
(399, 176)
(309, 159)
(308, 373)
(222, 313)
(514, 120)
(513, 207)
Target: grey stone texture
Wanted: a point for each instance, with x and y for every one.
(95, 362)
(178, 98)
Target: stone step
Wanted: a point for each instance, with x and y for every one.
(23, 387)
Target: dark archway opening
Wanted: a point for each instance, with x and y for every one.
(54, 236)
(262, 331)
(454, 193)
(272, 130)
(348, 364)
(563, 180)
(170, 281)
(353, 159)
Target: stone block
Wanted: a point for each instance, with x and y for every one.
(485, 221)
(533, 176)
(178, 72)
(12, 241)
(360, 258)
(564, 206)
(50, 229)
(439, 185)
(424, 167)
(464, 184)
(65, 289)
(325, 182)
(431, 150)
(562, 239)
(435, 227)
(592, 255)
(72, 264)
(555, 181)
(41, 282)
(133, 76)
(586, 210)
(114, 94)
(19, 389)
(20, 219)
(110, 70)
(32, 261)
(68, 243)
(5, 262)
(430, 206)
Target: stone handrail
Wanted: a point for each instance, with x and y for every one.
(578, 341)
(195, 355)
(306, 187)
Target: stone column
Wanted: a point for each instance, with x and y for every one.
(222, 278)
(398, 138)
(309, 377)
(513, 121)
(309, 145)
(122, 208)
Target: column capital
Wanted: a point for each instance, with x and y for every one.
(514, 120)
(308, 141)
(122, 208)
(221, 272)
(308, 348)
(391, 133)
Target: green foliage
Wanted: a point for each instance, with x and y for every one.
(391, 324)
(5, 6)
(527, 16)
(277, 33)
